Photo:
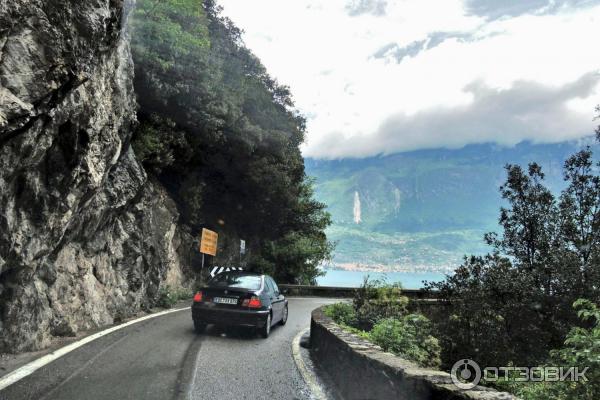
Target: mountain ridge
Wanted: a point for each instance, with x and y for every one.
(424, 208)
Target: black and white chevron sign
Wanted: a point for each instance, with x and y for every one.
(218, 270)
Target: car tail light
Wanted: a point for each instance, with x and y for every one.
(197, 297)
(253, 302)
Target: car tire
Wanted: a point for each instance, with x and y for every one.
(266, 330)
(199, 327)
(284, 317)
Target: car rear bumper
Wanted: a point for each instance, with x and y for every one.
(222, 316)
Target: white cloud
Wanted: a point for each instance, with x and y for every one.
(359, 104)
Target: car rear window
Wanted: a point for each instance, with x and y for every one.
(251, 282)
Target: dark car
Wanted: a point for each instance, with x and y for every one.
(240, 298)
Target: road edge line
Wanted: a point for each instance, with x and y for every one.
(307, 374)
(31, 367)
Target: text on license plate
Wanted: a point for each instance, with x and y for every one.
(225, 300)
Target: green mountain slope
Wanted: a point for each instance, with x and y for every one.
(422, 209)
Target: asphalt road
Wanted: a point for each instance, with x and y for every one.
(162, 358)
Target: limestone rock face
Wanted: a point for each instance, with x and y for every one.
(85, 237)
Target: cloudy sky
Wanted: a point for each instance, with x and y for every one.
(384, 76)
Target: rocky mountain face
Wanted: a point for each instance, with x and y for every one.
(85, 237)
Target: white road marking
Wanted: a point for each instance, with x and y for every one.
(84, 366)
(33, 366)
(308, 376)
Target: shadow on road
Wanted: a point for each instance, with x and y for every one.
(234, 332)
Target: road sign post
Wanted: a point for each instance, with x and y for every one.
(208, 243)
(242, 249)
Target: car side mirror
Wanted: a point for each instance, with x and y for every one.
(284, 291)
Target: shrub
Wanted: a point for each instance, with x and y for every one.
(342, 313)
(156, 141)
(377, 300)
(168, 296)
(378, 314)
(581, 349)
(408, 337)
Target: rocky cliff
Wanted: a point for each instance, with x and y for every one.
(85, 237)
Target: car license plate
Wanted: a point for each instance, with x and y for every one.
(225, 300)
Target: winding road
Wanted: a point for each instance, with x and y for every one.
(162, 358)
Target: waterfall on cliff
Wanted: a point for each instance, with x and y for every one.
(357, 219)
(397, 199)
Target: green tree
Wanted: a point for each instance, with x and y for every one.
(580, 214)
(514, 305)
(302, 246)
(224, 137)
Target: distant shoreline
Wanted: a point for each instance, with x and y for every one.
(354, 278)
(386, 268)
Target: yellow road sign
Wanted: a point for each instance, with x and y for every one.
(208, 242)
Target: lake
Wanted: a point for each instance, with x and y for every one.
(408, 280)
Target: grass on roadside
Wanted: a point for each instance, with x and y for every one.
(169, 296)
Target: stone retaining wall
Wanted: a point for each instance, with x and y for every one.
(362, 370)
